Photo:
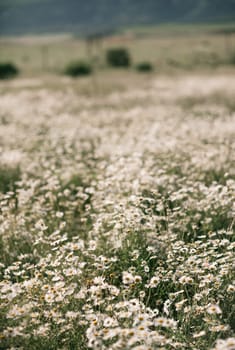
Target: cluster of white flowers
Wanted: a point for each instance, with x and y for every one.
(117, 217)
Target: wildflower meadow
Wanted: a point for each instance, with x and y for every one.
(117, 214)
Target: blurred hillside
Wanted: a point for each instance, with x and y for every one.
(86, 17)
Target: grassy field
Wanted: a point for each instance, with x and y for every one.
(117, 207)
(167, 47)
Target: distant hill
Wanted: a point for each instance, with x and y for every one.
(88, 16)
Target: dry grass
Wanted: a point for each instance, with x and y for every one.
(168, 48)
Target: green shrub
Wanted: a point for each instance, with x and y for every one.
(232, 58)
(144, 67)
(76, 69)
(118, 57)
(8, 70)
